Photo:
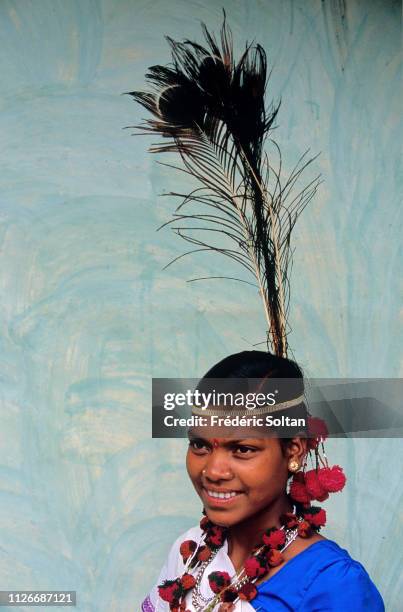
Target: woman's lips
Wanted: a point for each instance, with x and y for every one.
(220, 497)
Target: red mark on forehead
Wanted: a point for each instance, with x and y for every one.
(215, 443)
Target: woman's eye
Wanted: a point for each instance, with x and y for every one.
(244, 450)
(198, 446)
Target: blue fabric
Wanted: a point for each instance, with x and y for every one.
(322, 578)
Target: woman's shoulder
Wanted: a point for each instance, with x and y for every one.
(324, 552)
(322, 577)
(334, 581)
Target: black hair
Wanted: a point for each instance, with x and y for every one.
(255, 364)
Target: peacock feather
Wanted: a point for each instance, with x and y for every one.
(211, 110)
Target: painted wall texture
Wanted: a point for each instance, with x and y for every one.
(88, 501)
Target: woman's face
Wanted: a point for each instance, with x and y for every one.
(236, 479)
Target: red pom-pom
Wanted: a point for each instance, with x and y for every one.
(314, 487)
(298, 490)
(253, 568)
(170, 590)
(215, 536)
(218, 581)
(332, 479)
(274, 557)
(275, 538)
(247, 592)
(317, 429)
(187, 549)
(188, 581)
(205, 523)
(204, 553)
(316, 517)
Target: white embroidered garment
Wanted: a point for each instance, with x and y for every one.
(175, 567)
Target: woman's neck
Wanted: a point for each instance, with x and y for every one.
(243, 536)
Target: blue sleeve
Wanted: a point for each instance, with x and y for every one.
(344, 585)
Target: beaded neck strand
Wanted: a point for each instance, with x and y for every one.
(267, 554)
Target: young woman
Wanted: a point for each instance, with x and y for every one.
(258, 546)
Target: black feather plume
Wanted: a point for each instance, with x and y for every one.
(211, 110)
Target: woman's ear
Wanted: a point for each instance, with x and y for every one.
(296, 450)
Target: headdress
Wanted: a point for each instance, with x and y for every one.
(211, 110)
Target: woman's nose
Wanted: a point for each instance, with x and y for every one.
(217, 468)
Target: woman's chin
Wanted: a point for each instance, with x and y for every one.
(223, 519)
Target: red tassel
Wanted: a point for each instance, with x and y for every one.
(332, 479)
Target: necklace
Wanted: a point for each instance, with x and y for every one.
(205, 604)
(198, 556)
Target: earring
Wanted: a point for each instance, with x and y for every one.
(293, 466)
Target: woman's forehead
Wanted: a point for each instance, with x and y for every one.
(222, 435)
(216, 442)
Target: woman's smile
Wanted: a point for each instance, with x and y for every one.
(214, 497)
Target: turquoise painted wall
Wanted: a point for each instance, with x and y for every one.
(88, 501)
